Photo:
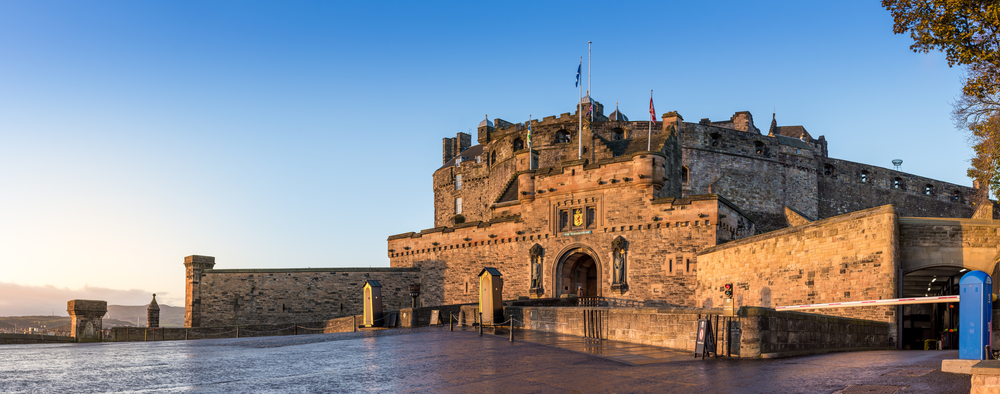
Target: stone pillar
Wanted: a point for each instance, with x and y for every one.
(86, 316)
(195, 266)
(153, 313)
(672, 125)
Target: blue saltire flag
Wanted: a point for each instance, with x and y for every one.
(578, 74)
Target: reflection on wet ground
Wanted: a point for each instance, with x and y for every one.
(628, 353)
(435, 360)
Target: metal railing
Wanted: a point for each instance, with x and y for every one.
(610, 302)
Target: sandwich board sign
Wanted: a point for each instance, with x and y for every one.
(705, 340)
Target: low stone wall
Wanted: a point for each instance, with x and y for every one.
(407, 317)
(769, 333)
(23, 339)
(986, 377)
(417, 317)
(140, 334)
(665, 327)
(756, 332)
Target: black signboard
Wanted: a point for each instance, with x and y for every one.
(705, 341)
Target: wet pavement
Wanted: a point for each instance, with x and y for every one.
(435, 360)
(623, 352)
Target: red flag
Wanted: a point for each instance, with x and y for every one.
(652, 112)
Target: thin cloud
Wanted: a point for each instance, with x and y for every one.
(25, 300)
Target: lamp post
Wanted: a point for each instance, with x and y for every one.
(414, 293)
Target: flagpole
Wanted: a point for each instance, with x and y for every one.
(649, 140)
(529, 144)
(590, 90)
(579, 113)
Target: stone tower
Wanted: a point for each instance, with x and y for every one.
(153, 313)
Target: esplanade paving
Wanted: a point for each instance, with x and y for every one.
(432, 359)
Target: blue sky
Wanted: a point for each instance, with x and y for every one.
(303, 134)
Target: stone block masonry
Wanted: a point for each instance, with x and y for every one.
(756, 332)
(847, 258)
(86, 317)
(227, 297)
(771, 334)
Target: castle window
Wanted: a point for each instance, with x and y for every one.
(563, 219)
(479, 159)
(562, 137)
(864, 176)
(591, 216)
(458, 160)
(827, 170)
(897, 183)
(758, 147)
(716, 139)
(493, 158)
(957, 195)
(458, 205)
(671, 265)
(518, 144)
(684, 175)
(929, 190)
(617, 134)
(458, 182)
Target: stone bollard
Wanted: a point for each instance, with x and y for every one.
(86, 317)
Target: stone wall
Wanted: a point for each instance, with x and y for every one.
(255, 296)
(146, 334)
(847, 258)
(556, 140)
(985, 377)
(670, 328)
(846, 186)
(768, 333)
(24, 339)
(756, 332)
(663, 238)
(758, 173)
(935, 242)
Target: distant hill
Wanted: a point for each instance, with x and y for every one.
(52, 322)
(170, 316)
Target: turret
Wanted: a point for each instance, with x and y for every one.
(648, 169)
(485, 129)
(153, 313)
(526, 161)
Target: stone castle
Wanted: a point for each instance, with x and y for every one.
(666, 211)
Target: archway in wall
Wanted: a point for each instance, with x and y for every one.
(930, 321)
(578, 267)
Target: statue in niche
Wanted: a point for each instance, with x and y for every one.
(537, 253)
(619, 248)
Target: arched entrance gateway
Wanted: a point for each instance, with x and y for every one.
(578, 266)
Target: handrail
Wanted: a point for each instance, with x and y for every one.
(610, 302)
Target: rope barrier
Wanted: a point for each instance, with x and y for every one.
(314, 329)
(259, 332)
(217, 333)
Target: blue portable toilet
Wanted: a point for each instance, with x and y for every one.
(975, 312)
